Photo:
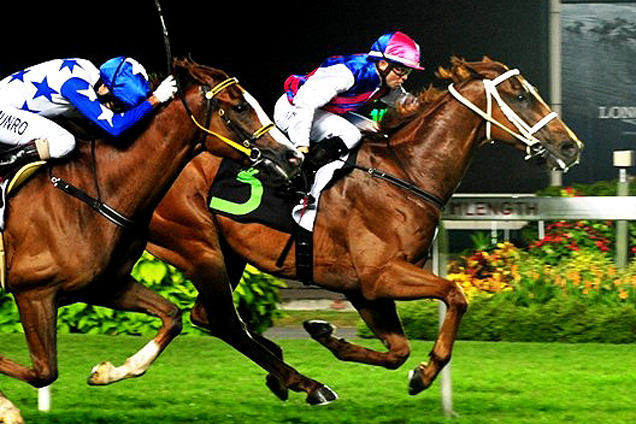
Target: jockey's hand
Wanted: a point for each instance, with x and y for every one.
(408, 105)
(166, 90)
(304, 150)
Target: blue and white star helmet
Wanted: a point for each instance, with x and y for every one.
(126, 79)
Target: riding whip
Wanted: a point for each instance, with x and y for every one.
(166, 38)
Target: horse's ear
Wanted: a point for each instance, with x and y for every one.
(181, 70)
(487, 68)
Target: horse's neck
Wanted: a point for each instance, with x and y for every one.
(435, 150)
(133, 180)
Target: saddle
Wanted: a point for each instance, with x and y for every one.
(244, 195)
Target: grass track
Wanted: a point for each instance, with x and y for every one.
(201, 380)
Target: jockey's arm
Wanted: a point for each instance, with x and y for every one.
(83, 96)
(319, 89)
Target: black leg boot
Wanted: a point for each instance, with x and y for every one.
(319, 155)
(322, 153)
(15, 158)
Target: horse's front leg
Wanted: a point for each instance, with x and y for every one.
(135, 297)
(38, 315)
(401, 280)
(381, 317)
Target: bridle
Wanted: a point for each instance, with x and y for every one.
(525, 134)
(247, 146)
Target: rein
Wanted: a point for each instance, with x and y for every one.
(246, 146)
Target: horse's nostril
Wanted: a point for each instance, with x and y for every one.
(294, 159)
(569, 149)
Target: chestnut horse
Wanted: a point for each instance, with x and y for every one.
(60, 251)
(371, 237)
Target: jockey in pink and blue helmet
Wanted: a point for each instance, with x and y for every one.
(319, 107)
(399, 50)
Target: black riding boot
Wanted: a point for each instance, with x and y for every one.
(319, 155)
(324, 152)
(17, 157)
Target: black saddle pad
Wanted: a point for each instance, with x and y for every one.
(246, 196)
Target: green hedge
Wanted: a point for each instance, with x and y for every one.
(256, 298)
(498, 319)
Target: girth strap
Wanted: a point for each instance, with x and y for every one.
(101, 207)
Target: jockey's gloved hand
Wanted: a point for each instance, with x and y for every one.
(166, 90)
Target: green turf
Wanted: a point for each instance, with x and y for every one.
(201, 380)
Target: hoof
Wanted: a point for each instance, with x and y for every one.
(318, 328)
(321, 396)
(276, 387)
(416, 383)
(101, 374)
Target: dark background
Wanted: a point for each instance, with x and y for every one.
(262, 44)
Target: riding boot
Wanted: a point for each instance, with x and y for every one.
(324, 152)
(17, 157)
(321, 154)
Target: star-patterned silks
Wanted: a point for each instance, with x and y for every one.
(26, 107)
(106, 115)
(89, 93)
(19, 75)
(66, 86)
(43, 89)
(70, 64)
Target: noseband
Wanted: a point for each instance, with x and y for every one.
(247, 146)
(525, 134)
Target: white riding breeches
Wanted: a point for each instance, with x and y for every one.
(323, 124)
(18, 127)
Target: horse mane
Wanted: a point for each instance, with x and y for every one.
(190, 72)
(458, 71)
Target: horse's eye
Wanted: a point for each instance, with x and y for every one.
(239, 108)
(523, 97)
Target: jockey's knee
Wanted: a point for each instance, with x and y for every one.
(351, 137)
(60, 144)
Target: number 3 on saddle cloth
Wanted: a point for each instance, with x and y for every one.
(245, 195)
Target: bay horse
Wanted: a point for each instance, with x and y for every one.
(371, 238)
(59, 250)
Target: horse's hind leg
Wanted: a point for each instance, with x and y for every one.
(381, 317)
(135, 297)
(215, 311)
